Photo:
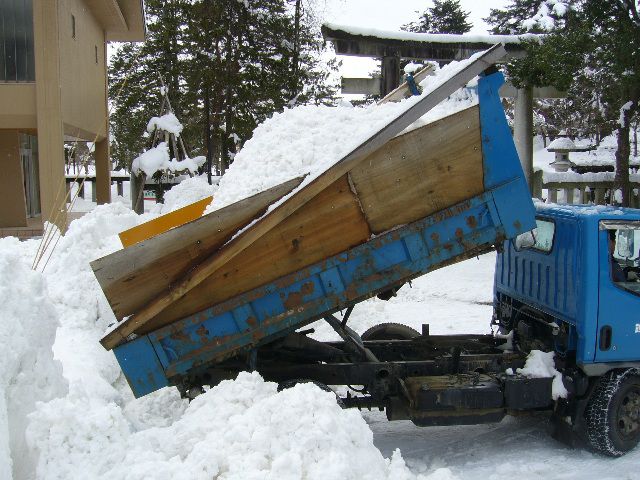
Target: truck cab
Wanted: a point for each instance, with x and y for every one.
(572, 286)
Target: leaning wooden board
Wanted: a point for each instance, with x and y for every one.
(413, 176)
(184, 297)
(136, 275)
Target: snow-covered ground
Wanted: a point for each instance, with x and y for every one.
(74, 417)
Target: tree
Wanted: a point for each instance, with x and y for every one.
(446, 16)
(229, 65)
(527, 16)
(134, 81)
(592, 52)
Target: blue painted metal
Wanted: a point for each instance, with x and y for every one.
(498, 148)
(572, 282)
(273, 310)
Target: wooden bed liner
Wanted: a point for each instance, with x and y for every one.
(383, 183)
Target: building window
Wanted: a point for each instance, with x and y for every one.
(16, 41)
(73, 26)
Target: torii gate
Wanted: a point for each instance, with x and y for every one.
(391, 46)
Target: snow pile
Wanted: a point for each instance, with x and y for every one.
(188, 191)
(167, 122)
(541, 365)
(239, 429)
(412, 67)
(307, 140)
(157, 159)
(88, 425)
(28, 373)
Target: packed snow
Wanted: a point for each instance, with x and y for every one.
(307, 140)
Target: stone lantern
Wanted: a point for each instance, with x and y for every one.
(562, 146)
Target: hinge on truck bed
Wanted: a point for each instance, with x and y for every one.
(351, 338)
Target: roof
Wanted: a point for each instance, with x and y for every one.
(370, 42)
(122, 20)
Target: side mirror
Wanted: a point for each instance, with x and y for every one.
(624, 244)
(525, 240)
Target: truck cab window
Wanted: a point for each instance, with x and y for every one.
(540, 238)
(624, 253)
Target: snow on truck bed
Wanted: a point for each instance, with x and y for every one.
(307, 140)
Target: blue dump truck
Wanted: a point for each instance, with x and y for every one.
(202, 302)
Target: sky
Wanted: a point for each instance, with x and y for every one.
(390, 15)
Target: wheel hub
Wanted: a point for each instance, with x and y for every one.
(629, 413)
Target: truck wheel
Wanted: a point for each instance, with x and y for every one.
(292, 383)
(613, 414)
(390, 331)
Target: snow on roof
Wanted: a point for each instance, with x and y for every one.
(434, 37)
(561, 143)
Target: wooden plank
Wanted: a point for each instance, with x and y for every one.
(329, 224)
(135, 275)
(421, 172)
(163, 223)
(199, 273)
(403, 90)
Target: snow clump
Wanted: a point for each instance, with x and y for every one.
(167, 122)
(541, 365)
(157, 159)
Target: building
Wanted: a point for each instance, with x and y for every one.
(53, 88)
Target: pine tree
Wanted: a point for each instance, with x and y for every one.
(232, 64)
(519, 16)
(134, 80)
(446, 16)
(593, 54)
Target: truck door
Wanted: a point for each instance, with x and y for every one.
(618, 337)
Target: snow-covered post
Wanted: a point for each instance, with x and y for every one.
(523, 130)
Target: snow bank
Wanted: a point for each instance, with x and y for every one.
(307, 140)
(88, 425)
(541, 365)
(28, 373)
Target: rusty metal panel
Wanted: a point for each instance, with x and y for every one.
(268, 312)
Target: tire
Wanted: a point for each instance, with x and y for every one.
(292, 383)
(612, 416)
(390, 331)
